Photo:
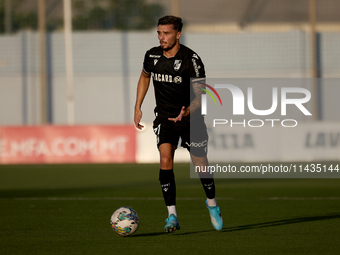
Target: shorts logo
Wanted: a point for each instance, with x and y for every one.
(177, 65)
(201, 144)
(157, 130)
(178, 79)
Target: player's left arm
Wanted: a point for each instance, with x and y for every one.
(194, 105)
(197, 101)
(196, 70)
(184, 113)
(197, 74)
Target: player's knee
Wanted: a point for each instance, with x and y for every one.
(166, 162)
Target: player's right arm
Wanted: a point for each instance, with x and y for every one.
(142, 88)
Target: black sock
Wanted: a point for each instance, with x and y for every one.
(167, 180)
(209, 187)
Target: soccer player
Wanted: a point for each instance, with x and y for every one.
(171, 66)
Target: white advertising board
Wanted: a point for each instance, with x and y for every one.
(309, 141)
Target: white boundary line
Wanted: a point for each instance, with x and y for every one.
(300, 198)
(161, 198)
(111, 198)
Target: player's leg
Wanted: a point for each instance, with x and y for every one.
(207, 180)
(167, 176)
(167, 140)
(196, 141)
(168, 184)
(166, 153)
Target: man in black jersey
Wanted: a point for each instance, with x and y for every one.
(171, 66)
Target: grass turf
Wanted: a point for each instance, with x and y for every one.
(65, 209)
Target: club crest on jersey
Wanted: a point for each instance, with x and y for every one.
(155, 61)
(177, 64)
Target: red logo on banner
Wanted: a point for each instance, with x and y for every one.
(67, 144)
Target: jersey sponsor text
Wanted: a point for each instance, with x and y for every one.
(161, 77)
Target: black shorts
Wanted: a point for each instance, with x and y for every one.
(196, 141)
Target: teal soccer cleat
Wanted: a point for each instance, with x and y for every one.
(172, 223)
(215, 216)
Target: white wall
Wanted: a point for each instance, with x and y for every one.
(107, 66)
(311, 142)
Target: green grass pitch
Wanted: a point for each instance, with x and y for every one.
(66, 209)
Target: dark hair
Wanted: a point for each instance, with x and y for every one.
(171, 20)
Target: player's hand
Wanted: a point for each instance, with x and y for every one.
(184, 112)
(137, 118)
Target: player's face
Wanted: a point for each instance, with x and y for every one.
(168, 37)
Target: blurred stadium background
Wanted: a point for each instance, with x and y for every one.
(78, 62)
(235, 38)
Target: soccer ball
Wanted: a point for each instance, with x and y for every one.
(124, 221)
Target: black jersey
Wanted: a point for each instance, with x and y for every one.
(171, 78)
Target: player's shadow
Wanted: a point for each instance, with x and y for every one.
(272, 223)
(282, 222)
(253, 226)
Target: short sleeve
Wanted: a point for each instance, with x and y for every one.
(145, 63)
(196, 68)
